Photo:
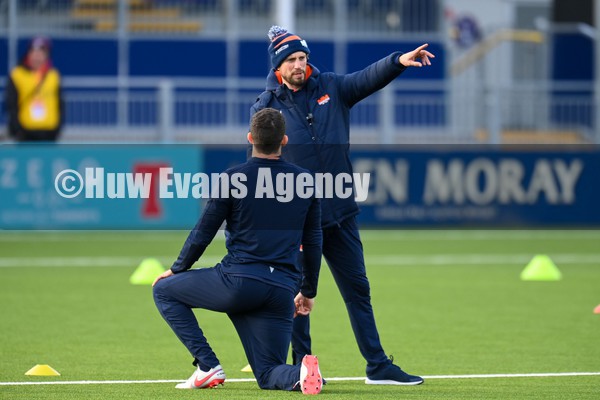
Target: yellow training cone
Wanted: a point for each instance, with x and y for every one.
(146, 272)
(247, 368)
(541, 268)
(42, 370)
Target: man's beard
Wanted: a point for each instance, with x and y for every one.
(297, 80)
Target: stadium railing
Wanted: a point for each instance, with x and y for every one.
(208, 111)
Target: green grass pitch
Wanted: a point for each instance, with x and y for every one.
(449, 306)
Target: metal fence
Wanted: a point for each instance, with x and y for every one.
(197, 111)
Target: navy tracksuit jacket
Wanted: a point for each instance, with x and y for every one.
(318, 126)
(256, 281)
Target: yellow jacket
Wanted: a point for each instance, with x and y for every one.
(38, 102)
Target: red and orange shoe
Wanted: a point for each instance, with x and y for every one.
(311, 381)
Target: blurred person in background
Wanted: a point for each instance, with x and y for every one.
(33, 97)
(317, 107)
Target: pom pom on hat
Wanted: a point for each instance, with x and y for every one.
(284, 43)
(275, 31)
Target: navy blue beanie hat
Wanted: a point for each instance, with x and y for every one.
(283, 44)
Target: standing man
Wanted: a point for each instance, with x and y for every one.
(257, 280)
(316, 107)
(33, 96)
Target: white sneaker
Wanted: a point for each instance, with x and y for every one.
(310, 375)
(202, 380)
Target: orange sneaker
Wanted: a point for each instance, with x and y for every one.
(310, 375)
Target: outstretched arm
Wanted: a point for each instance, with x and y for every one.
(358, 85)
(410, 59)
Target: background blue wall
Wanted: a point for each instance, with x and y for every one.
(208, 58)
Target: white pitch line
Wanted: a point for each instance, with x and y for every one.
(388, 259)
(381, 234)
(98, 235)
(92, 261)
(529, 375)
(108, 382)
(475, 376)
(477, 259)
(480, 235)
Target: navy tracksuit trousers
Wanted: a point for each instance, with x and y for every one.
(343, 251)
(261, 313)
